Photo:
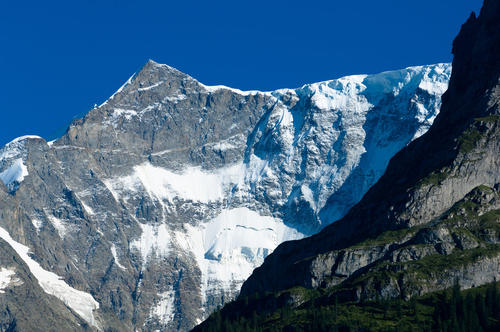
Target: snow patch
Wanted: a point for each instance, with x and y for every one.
(223, 146)
(435, 79)
(87, 208)
(149, 87)
(59, 225)
(215, 88)
(435, 88)
(229, 247)
(149, 108)
(192, 184)
(244, 232)
(340, 94)
(154, 240)
(115, 256)
(119, 112)
(8, 278)
(37, 224)
(14, 174)
(308, 195)
(81, 302)
(174, 99)
(110, 185)
(22, 138)
(164, 309)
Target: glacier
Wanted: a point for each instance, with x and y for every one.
(14, 174)
(178, 190)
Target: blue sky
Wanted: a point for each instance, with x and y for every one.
(59, 58)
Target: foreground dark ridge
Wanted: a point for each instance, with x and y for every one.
(432, 219)
(476, 309)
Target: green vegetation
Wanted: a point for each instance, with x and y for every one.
(436, 264)
(301, 293)
(435, 178)
(395, 236)
(471, 136)
(490, 118)
(477, 309)
(469, 139)
(468, 207)
(418, 272)
(470, 218)
(489, 221)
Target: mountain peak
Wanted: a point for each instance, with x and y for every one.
(490, 10)
(152, 65)
(151, 62)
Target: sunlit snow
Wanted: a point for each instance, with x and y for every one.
(37, 224)
(15, 173)
(154, 239)
(192, 184)
(81, 302)
(229, 247)
(59, 225)
(8, 278)
(164, 309)
(115, 257)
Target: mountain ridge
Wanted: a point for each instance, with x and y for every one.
(361, 222)
(137, 203)
(409, 199)
(429, 224)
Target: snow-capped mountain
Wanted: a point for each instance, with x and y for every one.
(159, 203)
(429, 224)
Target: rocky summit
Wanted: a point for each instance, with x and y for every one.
(152, 209)
(431, 221)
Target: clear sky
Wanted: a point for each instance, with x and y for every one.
(59, 58)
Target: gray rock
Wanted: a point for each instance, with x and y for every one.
(443, 186)
(160, 202)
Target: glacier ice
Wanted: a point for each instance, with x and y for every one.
(15, 173)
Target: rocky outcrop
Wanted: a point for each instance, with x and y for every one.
(463, 244)
(25, 305)
(433, 216)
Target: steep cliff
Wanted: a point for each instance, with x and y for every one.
(432, 219)
(422, 182)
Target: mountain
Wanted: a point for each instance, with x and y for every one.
(432, 219)
(152, 209)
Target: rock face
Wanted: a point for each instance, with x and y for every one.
(26, 303)
(158, 204)
(434, 216)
